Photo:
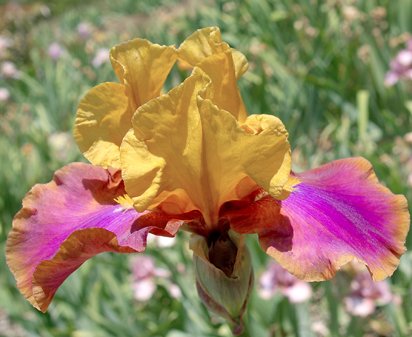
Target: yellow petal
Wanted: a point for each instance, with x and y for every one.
(165, 123)
(240, 62)
(141, 169)
(199, 153)
(224, 91)
(289, 187)
(263, 156)
(206, 42)
(103, 118)
(143, 67)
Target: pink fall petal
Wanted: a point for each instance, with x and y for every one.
(338, 212)
(69, 220)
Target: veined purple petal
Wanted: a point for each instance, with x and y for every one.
(67, 221)
(338, 212)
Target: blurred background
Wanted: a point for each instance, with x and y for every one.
(337, 72)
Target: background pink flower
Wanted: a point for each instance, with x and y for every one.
(400, 66)
(366, 294)
(277, 279)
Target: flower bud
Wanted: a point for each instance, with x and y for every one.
(224, 274)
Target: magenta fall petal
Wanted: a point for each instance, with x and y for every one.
(67, 221)
(338, 212)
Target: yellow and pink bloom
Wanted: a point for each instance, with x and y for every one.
(192, 159)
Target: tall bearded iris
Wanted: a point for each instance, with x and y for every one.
(192, 159)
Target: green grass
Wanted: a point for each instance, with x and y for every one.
(320, 72)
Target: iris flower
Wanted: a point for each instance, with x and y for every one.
(276, 279)
(192, 159)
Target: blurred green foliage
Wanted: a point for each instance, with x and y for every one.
(318, 65)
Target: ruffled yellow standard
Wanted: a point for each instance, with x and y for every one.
(104, 114)
(185, 153)
(206, 42)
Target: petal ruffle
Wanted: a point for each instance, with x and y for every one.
(338, 212)
(206, 42)
(224, 91)
(67, 221)
(199, 153)
(102, 120)
(142, 67)
(223, 65)
(104, 114)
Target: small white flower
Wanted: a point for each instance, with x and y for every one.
(143, 290)
(55, 51)
(405, 57)
(101, 57)
(174, 291)
(299, 292)
(4, 94)
(84, 30)
(9, 70)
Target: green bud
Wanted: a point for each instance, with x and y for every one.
(224, 274)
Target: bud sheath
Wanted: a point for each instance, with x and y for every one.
(224, 274)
